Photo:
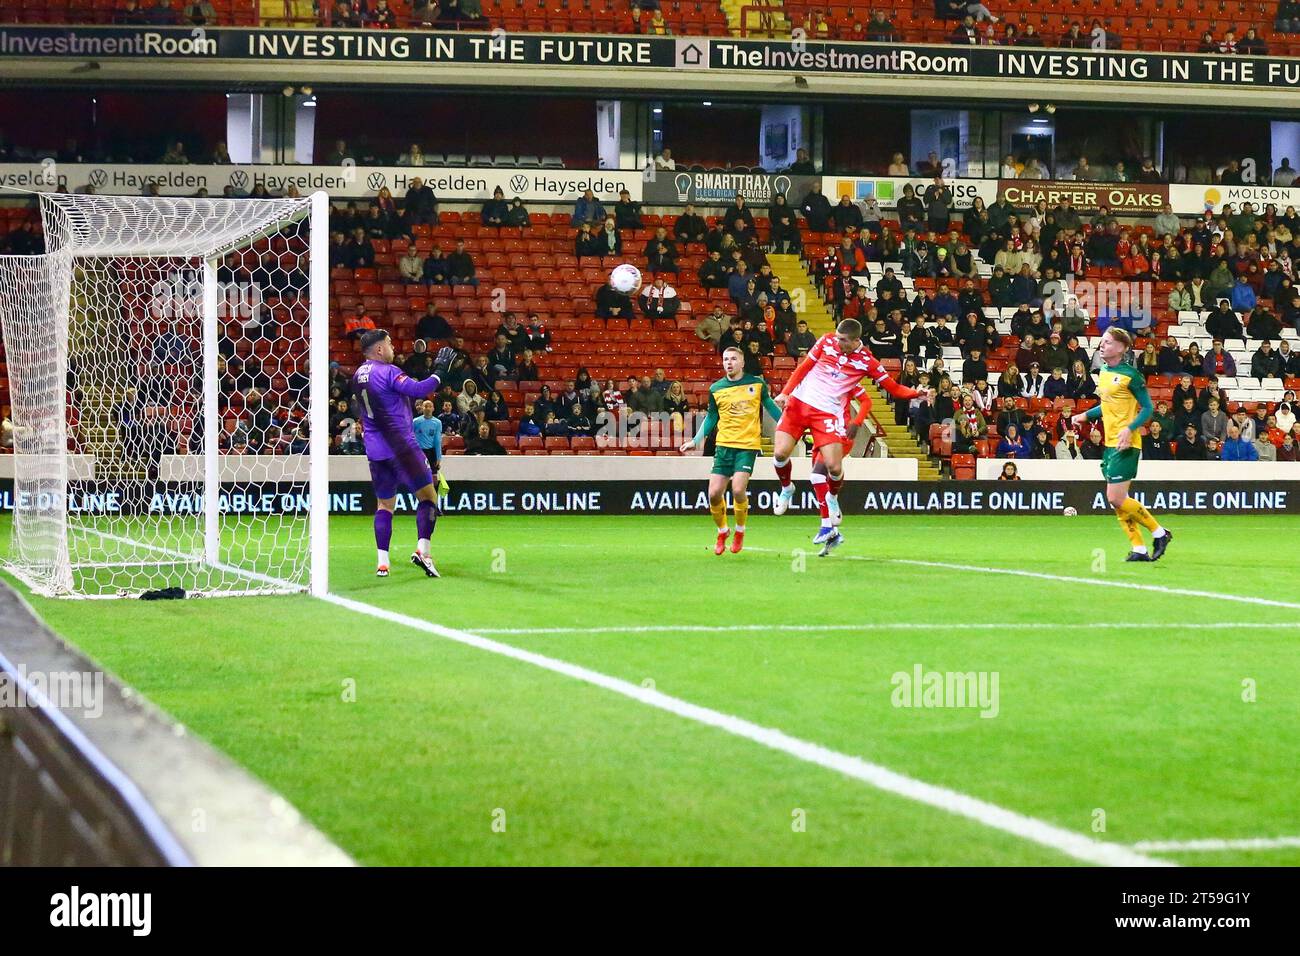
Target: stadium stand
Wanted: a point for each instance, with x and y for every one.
(539, 275)
(1137, 24)
(534, 273)
(588, 16)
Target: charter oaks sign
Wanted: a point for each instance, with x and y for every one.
(1088, 197)
(341, 182)
(394, 47)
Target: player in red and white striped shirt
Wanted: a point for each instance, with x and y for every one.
(814, 399)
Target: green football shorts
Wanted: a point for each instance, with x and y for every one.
(1119, 465)
(728, 461)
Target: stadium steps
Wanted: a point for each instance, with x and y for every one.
(900, 442)
(271, 13)
(778, 26)
(96, 336)
(795, 277)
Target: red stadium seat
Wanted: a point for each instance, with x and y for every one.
(963, 467)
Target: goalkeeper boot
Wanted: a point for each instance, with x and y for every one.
(833, 509)
(737, 542)
(782, 502)
(425, 563)
(824, 533)
(381, 571)
(833, 542)
(1158, 545)
(1138, 556)
(721, 544)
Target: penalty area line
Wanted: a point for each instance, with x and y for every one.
(1063, 578)
(886, 626)
(1212, 846)
(1067, 842)
(1095, 582)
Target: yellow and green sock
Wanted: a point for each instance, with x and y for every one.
(1131, 529)
(719, 511)
(1132, 514)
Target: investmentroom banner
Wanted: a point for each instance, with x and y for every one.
(690, 53)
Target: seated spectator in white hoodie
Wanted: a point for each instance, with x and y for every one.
(659, 300)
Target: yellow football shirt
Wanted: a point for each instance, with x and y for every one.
(1124, 402)
(737, 407)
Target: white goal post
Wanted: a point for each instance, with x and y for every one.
(168, 364)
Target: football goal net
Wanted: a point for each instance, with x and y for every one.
(168, 368)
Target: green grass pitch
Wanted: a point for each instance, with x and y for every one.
(1157, 725)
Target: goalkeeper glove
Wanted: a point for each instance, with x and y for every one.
(442, 362)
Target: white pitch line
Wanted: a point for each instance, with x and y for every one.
(181, 556)
(1072, 844)
(879, 626)
(1096, 582)
(1212, 846)
(1064, 578)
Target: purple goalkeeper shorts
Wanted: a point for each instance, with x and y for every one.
(407, 469)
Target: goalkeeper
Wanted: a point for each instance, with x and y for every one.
(396, 459)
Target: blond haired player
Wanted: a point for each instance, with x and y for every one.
(736, 403)
(1124, 408)
(814, 399)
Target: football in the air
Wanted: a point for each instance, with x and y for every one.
(1070, 512)
(625, 278)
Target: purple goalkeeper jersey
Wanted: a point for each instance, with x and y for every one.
(385, 393)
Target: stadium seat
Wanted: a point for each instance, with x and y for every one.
(963, 467)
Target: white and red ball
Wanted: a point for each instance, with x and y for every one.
(626, 278)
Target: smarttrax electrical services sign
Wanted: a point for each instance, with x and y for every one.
(863, 60)
(721, 188)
